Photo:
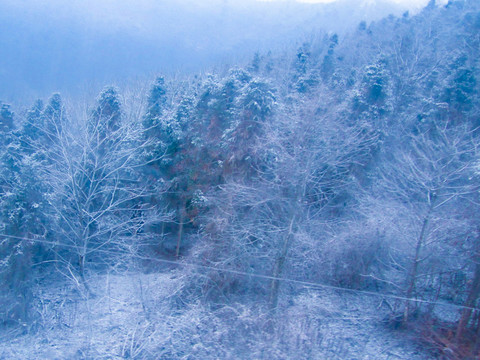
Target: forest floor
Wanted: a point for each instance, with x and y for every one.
(135, 316)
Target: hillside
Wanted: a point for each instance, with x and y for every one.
(318, 201)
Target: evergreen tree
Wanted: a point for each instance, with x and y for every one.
(6, 118)
(33, 126)
(23, 220)
(54, 116)
(328, 64)
(104, 120)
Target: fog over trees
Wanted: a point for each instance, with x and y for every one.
(77, 47)
(293, 181)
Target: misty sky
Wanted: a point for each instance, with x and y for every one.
(57, 45)
(406, 2)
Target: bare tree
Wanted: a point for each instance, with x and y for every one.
(97, 195)
(303, 164)
(471, 248)
(425, 175)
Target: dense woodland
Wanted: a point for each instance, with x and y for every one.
(351, 162)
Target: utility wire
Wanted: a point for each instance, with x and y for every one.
(307, 284)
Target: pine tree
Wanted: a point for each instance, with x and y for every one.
(6, 118)
(54, 116)
(23, 220)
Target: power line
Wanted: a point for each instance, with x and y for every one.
(308, 284)
(41, 241)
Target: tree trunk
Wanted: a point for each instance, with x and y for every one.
(476, 348)
(81, 263)
(279, 265)
(82, 257)
(416, 260)
(180, 233)
(473, 296)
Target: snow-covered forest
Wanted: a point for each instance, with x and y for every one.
(318, 200)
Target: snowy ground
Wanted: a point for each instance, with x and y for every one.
(133, 316)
